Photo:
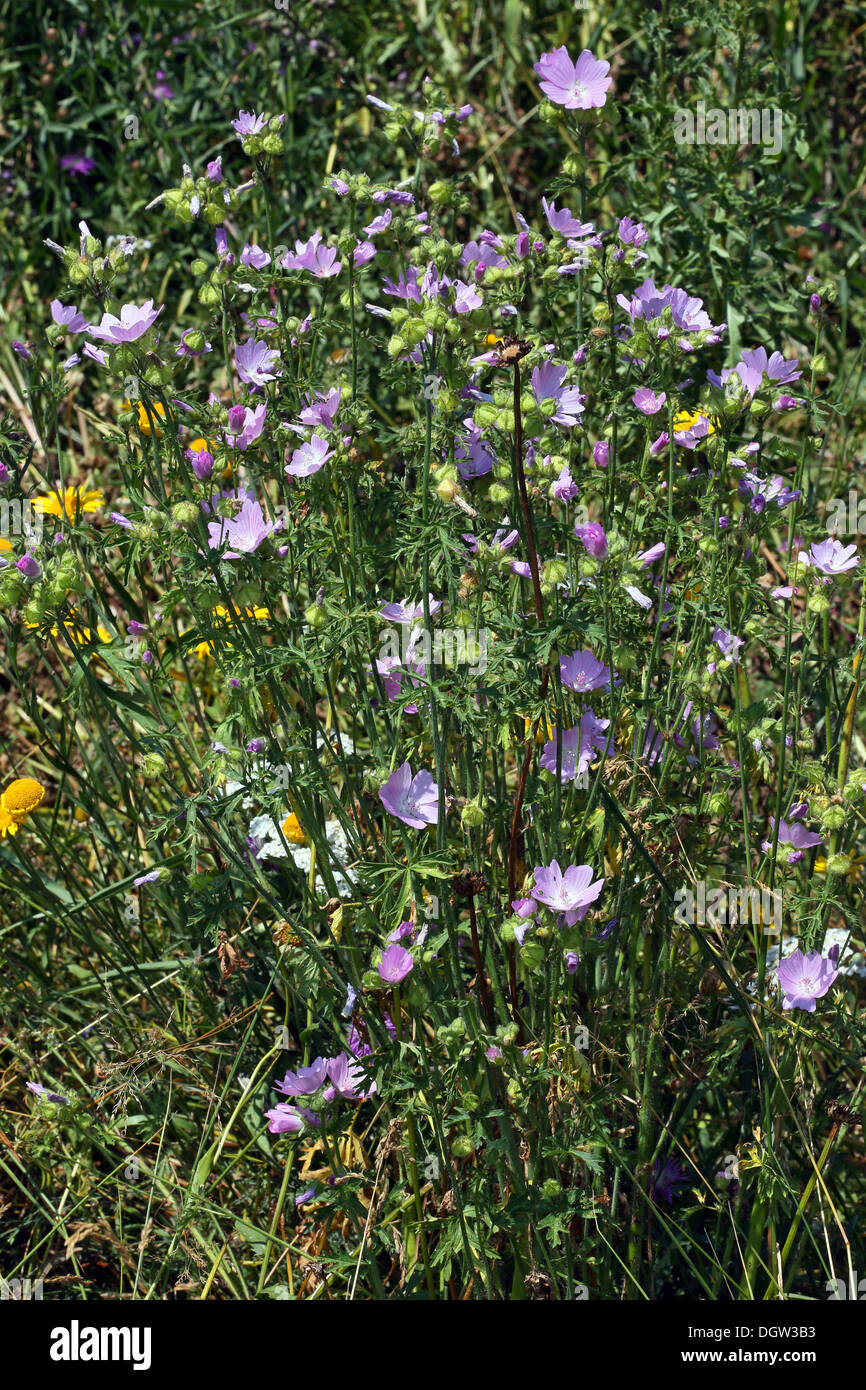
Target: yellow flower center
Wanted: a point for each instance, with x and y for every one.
(22, 796)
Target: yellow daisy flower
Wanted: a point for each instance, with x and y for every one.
(20, 798)
(72, 503)
(223, 618)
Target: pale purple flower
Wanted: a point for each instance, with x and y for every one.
(406, 612)
(380, 223)
(248, 123)
(576, 86)
(655, 552)
(593, 538)
(255, 362)
(39, 1090)
(564, 487)
(755, 365)
(321, 412)
(78, 164)
(309, 458)
(582, 671)
(579, 746)
(68, 317)
(690, 437)
(649, 303)
(727, 643)
(632, 233)
(524, 907)
(395, 964)
(131, 325)
(647, 401)
(313, 256)
(636, 596)
(305, 1081)
(253, 255)
(284, 1119)
(547, 384)
(413, 800)
(571, 893)
(792, 833)
(28, 566)
(473, 454)
(563, 221)
(348, 1079)
(363, 253)
(831, 557)
(601, 453)
(805, 979)
(244, 533)
(245, 425)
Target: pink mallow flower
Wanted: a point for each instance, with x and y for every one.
(132, 324)
(805, 978)
(571, 893)
(396, 963)
(582, 672)
(255, 362)
(830, 557)
(576, 86)
(413, 800)
(244, 533)
(792, 833)
(593, 539)
(309, 458)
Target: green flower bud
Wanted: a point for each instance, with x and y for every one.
(818, 604)
(153, 765)
(838, 865)
(498, 494)
(397, 346)
(472, 816)
(574, 165)
(316, 616)
(185, 513)
(209, 296)
(833, 818)
(462, 1147)
(439, 193)
(272, 144)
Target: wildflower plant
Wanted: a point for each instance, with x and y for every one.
(400, 886)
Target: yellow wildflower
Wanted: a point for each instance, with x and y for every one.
(292, 830)
(146, 414)
(71, 504)
(20, 798)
